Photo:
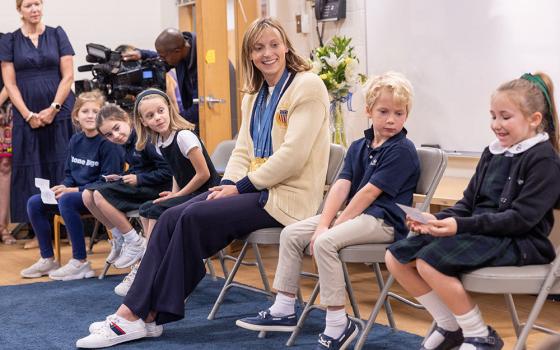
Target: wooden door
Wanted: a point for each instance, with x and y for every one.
(213, 72)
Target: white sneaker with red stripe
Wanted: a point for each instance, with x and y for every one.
(152, 329)
(115, 330)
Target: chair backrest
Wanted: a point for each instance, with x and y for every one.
(221, 155)
(433, 162)
(336, 158)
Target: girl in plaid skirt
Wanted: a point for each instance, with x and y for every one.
(503, 219)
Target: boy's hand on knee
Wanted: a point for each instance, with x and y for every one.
(318, 231)
(443, 228)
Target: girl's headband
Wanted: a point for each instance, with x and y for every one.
(147, 92)
(540, 84)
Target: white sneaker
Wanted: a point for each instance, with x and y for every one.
(41, 268)
(115, 330)
(74, 270)
(123, 287)
(116, 246)
(152, 329)
(131, 252)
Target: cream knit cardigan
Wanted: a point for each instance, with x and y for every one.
(295, 173)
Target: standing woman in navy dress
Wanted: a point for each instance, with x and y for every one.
(37, 67)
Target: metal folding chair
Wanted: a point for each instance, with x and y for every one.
(540, 280)
(269, 236)
(433, 162)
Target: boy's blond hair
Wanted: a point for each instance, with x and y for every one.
(396, 83)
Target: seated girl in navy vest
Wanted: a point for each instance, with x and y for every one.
(148, 175)
(89, 157)
(503, 219)
(157, 120)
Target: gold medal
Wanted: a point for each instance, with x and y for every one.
(256, 163)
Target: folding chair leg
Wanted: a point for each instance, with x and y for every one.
(223, 263)
(350, 291)
(537, 306)
(57, 222)
(260, 265)
(380, 301)
(105, 269)
(308, 307)
(513, 312)
(93, 236)
(228, 282)
(211, 270)
(388, 308)
(300, 298)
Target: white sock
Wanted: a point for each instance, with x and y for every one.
(472, 325)
(335, 323)
(116, 233)
(284, 305)
(441, 314)
(131, 236)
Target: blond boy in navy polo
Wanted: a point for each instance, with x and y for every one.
(380, 170)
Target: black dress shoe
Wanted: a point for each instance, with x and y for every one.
(451, 339)
(490, 342)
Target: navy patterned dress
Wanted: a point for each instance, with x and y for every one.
(37, 152)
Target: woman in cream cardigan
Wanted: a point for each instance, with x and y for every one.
(275, 177)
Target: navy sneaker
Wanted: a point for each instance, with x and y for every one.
(450, 341)
(264, 321)
(326, 342)
(490, 342)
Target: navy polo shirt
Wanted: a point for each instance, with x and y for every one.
(393, 167)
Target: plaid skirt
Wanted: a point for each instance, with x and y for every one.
(456, 254)
(127, 197)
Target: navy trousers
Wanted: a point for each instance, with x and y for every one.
(185, 235)
(70, 207)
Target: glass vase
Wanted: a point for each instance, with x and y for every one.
(338, 135)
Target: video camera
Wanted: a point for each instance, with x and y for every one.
(118, 80)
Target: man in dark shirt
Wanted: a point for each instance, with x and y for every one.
(179, 51)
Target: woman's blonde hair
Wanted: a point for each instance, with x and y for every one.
(252, 77)
(20, 2)
(396, 83)
(90, 96)
(145, 134)
(530, 99)
(111, 112)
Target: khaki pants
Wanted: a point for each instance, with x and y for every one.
(294, 238)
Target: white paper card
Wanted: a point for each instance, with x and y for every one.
(413, 213)
(47, 195)
(112, 177)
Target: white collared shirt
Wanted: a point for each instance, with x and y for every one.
(496, 148)
(186, 139)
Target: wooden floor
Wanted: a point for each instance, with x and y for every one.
(15, 258)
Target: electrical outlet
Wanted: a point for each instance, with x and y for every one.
(298, 23)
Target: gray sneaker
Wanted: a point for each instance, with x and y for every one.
(116, 246)
(74, 270)
(122, 288)
(131, 252)
(41, 268)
